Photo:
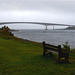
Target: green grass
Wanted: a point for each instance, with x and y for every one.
(18, 57)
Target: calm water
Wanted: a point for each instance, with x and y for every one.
(55, 37)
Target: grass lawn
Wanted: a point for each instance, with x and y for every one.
(18, 57)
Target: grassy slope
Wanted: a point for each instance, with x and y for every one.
(25, 58)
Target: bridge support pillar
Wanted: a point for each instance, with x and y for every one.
(53, 27)
(46, 28)
(69, 26)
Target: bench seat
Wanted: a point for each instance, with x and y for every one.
(56, 52)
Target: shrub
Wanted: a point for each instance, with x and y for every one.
(66, 47)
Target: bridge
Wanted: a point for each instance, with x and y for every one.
(39, 23)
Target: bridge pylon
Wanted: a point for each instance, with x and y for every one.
(53, 27)
(46, 27)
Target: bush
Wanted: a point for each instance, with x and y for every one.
(66, 47)
(5, 32)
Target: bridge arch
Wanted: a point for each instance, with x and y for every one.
(38, 23)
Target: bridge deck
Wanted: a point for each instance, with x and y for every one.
(39, 23)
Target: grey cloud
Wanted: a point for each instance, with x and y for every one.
(59, 11)
(65, 5)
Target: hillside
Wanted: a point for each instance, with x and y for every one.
(18, 57)
(70, 28)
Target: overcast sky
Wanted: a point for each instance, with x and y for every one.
(52, 11)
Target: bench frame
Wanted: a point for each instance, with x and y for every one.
(55, 49)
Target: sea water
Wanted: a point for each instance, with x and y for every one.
(54, 37)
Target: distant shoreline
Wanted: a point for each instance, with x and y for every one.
(13, 30)
(64, 29)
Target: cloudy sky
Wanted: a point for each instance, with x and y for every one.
(52, 11)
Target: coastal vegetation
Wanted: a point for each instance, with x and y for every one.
(23, 57)
(68, 28)
(71, 28)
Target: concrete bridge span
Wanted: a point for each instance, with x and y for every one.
(39, 23)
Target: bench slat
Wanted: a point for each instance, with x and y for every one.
(53, 51)
(51, 45)
(51, 48)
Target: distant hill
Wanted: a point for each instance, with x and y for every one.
(70, 28)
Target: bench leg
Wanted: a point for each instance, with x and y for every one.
(59, 58)
(50, 53)
(66, 59)
(44, 53)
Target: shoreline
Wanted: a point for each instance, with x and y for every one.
(38, 42)
(28, 40)
(35, 38)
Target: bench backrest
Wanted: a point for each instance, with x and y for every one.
(51, 47)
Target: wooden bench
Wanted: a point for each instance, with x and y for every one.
(57, 50)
